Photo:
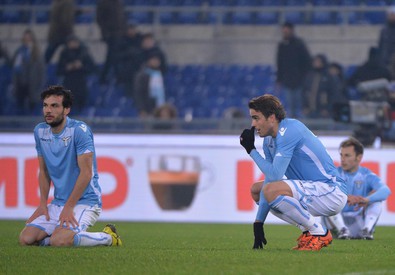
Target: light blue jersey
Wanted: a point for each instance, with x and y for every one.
(297, 154)
(362, 183)
(60, 152)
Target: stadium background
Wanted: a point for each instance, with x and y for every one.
(217, 61)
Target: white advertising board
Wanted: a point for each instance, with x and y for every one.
(212, 183)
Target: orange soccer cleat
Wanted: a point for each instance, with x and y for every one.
(302, 240)
(315, 243)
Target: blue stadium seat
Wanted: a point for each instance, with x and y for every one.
(140, 17)
(188, 18)
(240, 18)
(264, 18)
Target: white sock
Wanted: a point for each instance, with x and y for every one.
(372, 214)
(337, 221)
(281, 216)
(293, 210)
(45, 241)
(92, 239)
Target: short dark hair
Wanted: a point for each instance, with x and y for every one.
(59, 91)
(268, 104)
(358, 147)
(289, 25)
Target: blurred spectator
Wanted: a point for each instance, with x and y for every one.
(319, 89)
(337, 73)
(110, 16)
(387, 38)
(149, 87)
(129, 60)
(4, 57)
(150, 47)
(370, 70)
(28, 73)
(75, 64)
(165, 115)
(233, 112)
(293, 63)
(61, 25)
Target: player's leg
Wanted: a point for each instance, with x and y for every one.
(38, 231)
(256, 189)
(336, 224)
(372, 215)
(32, 235)
(87, 217)
(281, 199)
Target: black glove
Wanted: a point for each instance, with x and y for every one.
(247, 139)
(259, 235)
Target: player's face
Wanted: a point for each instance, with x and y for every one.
(349, 159)
(54, 112)
(263, 126)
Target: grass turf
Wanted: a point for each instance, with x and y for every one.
(173, 248)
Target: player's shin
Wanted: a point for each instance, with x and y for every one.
(372, 214)
(294, 211)
(92, 239)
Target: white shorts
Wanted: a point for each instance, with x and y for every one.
(319, 198)
(85, 215)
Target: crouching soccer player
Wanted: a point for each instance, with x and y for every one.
(313, 186)
(366, 192)
(66, 156)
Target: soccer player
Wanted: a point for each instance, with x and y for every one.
(313, 186)
(366, 192)
(66, 156)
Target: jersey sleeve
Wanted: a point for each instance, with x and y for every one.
(381, 191)
(83, 139)
(37, 141)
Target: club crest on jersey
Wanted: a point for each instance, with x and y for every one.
(83, 127)
(358, 184)
(66, 141)
(282, 131)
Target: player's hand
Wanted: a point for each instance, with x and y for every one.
(247, 139)
(41, 210)
(353, 200)
(66, 218)
(259, 236)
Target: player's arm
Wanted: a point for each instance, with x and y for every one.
(85, 164)
(380, 194)
(273, 170)
(44, 182)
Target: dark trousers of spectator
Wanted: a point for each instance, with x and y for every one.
(112, 47)
(50, 50)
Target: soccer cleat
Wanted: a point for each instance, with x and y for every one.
(344, 234)
(112, 231)
(302, 240)
(366, 235)
(315, 243)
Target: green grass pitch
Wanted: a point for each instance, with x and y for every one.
(176, 248)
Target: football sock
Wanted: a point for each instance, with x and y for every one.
(337, 221)
(45, 241)
(263, 209)
(92, 239)
(283, 217)
(372, 214)
(291, 208)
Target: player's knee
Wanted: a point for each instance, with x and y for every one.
(270, 192)
(256, 190)
(25, 239)
(59, 239)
